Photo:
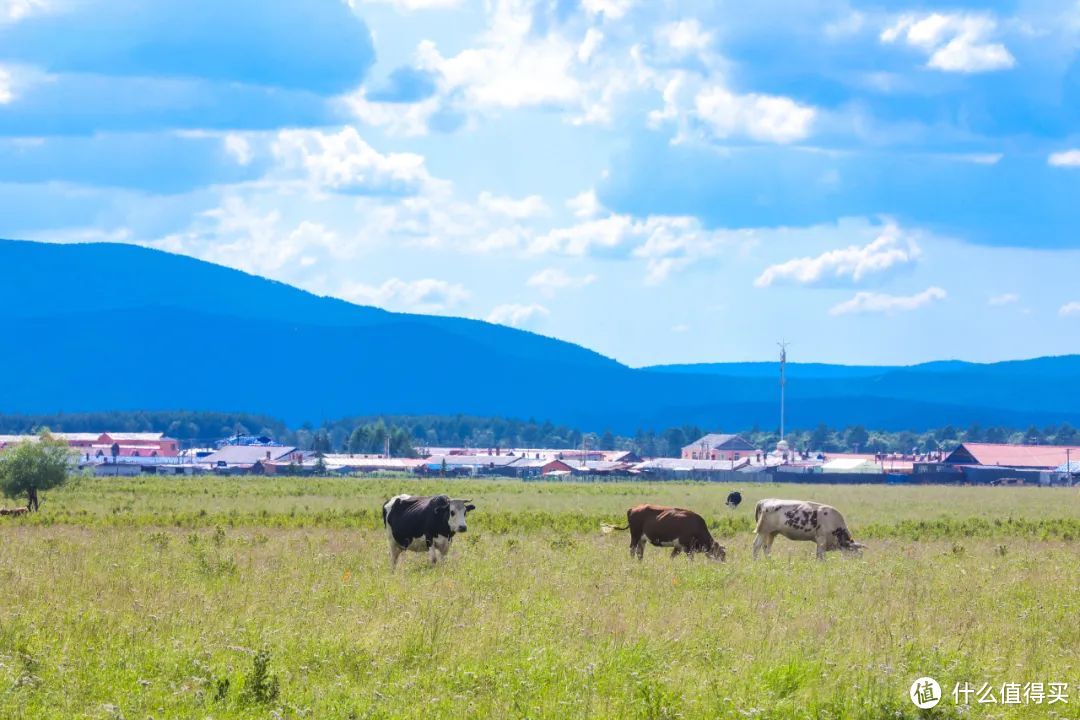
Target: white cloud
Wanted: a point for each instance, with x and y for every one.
(1003, 299)
(685, 36)
(241, 235)
(667, 243)
(239, 148)
(517, 209)
(1065, 158)
(680, 328)
(512, 67)
(769, 118)
(587, 237)
(12, 11)
(610, 9)
(955, 42)
(342, 161)
(398, 118)
(1069, 309)
(550, 280)
(855, 263)
(518, 315)
(585, 205)
(872, 302)
(425, 295)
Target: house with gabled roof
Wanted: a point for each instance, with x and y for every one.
(718, 446)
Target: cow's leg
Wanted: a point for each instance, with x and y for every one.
(759, 542)
(635, 543)
(432, 552)
(821, 548)
(676, 550)
(395, 553)
(768, 544)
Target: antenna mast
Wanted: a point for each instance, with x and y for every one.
(783, 381)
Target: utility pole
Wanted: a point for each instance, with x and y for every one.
(783, 366)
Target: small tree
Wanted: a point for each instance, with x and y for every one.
(33, 466)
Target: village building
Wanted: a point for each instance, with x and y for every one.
(716, 446)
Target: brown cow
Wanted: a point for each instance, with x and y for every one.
(14, 511)
(682, 530)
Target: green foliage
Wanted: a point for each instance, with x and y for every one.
(33, 466)
(260, 686)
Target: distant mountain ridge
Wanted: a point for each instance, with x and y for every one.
(110, 326)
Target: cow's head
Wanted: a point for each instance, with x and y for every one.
(458, 510)
(847, 543)
(854, 548)
(716, 552)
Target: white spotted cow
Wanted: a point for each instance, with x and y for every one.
(802, 520)
(423, 523)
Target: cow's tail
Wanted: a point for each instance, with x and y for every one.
(757, 510)
(607, 528)
(385, 512)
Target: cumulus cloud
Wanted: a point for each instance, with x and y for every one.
(609, 9)
(1070, 309)
(585, 205)
(518, 315)
(1003, 299)
(855, 263)
(425, 295)
(667, 243)
(550, 280)
(1065, 158)
(241, 235)
(872, 302)
(238, 148)
(344, 162)
(955, 42)
(517, 209)
(685, 36)
(768, 118)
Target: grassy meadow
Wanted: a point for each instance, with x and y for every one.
(272, 598)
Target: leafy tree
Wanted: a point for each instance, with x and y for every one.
(819, 439)
(31, 467)
(1066, 435)
(857, 438)
(607, 441)
(358, 441)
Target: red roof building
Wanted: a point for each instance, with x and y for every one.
(1042, 457)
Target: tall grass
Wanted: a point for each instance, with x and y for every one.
(290, 611)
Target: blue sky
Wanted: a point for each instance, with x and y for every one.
(659, 181)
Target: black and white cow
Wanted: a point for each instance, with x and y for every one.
(423, 523)
(734, 499)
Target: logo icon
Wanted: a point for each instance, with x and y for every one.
(925, 693)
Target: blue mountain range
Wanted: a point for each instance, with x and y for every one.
(117, 327)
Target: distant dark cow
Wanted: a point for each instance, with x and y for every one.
(682, 530)
(423, 523)
(14, 511)
(734, 498)
(802, 520)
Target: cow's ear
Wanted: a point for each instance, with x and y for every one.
(470, 508)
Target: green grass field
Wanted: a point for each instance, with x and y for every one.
(272, 598)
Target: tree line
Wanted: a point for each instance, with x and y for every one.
(409, 435)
